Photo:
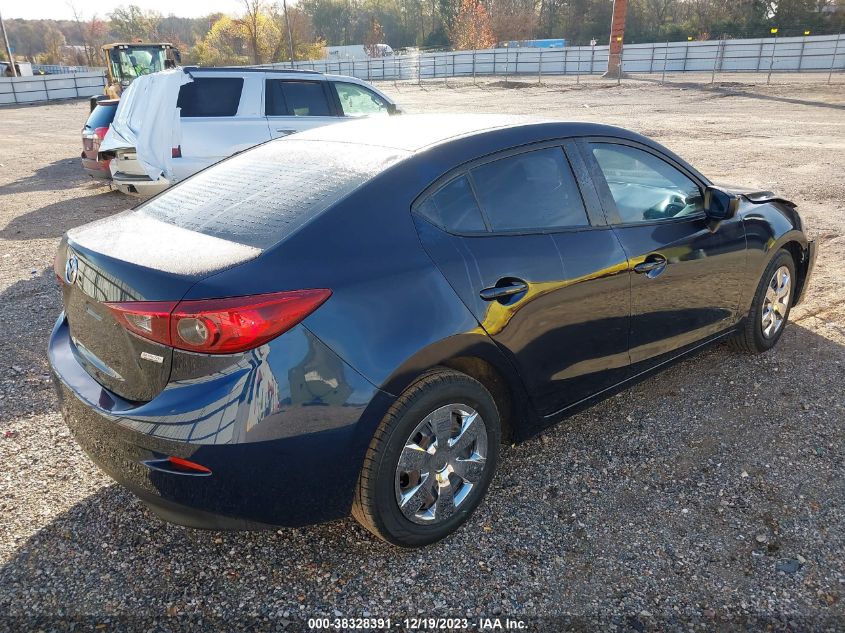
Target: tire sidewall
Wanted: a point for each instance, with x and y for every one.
(781, 259)
(465, 391)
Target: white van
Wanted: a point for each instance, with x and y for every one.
(172, 124)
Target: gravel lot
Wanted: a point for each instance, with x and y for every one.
(710, 495)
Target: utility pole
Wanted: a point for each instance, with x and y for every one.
(617, 35)
(290, 37)
(8, 48)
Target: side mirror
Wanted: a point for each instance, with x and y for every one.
(177, 55)
(392, 109)
(719, 204)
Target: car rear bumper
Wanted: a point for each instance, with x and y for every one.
(280, 452)
(139, 185)
(96, 169)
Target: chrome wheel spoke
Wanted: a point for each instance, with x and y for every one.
(442, 422)
(444, 507)
(467, 434)
(413, 500)
(413, 458)
(470, 469)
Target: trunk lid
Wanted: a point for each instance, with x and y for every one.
(132, 257)
(147, 122)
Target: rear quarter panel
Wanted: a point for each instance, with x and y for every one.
(392, 315)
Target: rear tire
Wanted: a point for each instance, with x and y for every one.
(430, 461)
(764, 324)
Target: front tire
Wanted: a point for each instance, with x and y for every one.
(431, 460)
(765, 322)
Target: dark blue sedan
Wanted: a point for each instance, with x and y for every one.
(355, 318)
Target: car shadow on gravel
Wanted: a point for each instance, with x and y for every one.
(53, 220)
(64, 173)
(25, 384)
(733, 89)
(678, 497)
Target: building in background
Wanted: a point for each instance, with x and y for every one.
(547, 43)
(356, 51)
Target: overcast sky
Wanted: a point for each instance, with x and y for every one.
(60, 9)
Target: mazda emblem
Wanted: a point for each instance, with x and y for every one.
(71, 269)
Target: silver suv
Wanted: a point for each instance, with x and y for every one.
(222, 111)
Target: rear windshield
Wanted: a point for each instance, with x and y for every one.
(215, 96)
(101, 116)
(259, 197)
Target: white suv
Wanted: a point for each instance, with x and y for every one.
(221, 111)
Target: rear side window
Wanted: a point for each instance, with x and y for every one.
(296, 98)
(259, 197)
(534, 190)
(453, 207)
(210, 96)
(102, 116)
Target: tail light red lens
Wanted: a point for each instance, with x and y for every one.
(149, 319)
(100, 132)
(176, 152)
(219, 326)
(187, 465)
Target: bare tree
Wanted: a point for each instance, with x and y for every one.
(251, 23)
(83, 34)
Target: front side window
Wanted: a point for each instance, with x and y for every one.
(530, 191)
(453, 207)
(644, 187)
(358, 101)
(296, 98)
(210, 96)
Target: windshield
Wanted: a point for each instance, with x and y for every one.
(129, 63)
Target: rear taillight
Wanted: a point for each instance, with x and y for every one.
(219, 326)
(100, 132)
(176, 152)
(150, 319)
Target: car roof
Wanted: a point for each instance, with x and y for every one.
(249, 69)
(416, 132)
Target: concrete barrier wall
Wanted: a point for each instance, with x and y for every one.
(51, 87)
(787, 54)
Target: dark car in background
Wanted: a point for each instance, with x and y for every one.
(354, 318)
(92, 135)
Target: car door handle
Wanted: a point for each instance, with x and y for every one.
(506, 290)
(652, 264)
(286, 132)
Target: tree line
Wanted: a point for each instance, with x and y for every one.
(259, 33)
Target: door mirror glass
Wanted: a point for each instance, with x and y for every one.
(719, 204)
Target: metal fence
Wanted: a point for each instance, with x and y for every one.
(823, 53)
(811, 54)
(51, 87)
(56, 69)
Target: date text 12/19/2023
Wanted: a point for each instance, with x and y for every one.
(417, 624)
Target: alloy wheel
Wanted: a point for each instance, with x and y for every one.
(776, 302)
(440, 464)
